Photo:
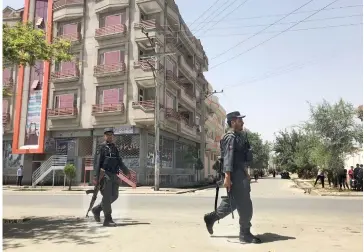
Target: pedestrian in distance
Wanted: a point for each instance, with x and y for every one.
(321, 177)
(234, 153)
(107, 158)
(19, 176)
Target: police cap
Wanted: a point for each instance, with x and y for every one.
(234, 115)
(109, 130)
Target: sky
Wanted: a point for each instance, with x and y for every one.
(273, 82)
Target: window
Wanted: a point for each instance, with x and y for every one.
(65, 101)
(7, 74)
(170, 101)
(5, 106)
(113, 19)
(111, 96)
(112, 57)
(65, 66)
(166, 154)
(141, 94)
(41, 12)
(169, 65)
(71, 28)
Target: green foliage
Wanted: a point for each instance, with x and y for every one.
(199, 165)
(324, 140)
(70, 172)
(24, 45)
(260, 150)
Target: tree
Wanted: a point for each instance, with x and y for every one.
(335, 126)
(260, 150)
(360, 112)
(23, 45)
(70, 172)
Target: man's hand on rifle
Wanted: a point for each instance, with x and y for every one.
(94, 181)
(227, 182)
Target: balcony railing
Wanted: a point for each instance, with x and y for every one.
(73, 37)
(61, 3)
(62, 112)
(172, 114)
(170, 76)
(147, 24)
(146, 65)
(106, 108)
(66, 74)
(188, 91)
(6, 118)
(110, 30)
(8, 82)
(110, 68)
(145, 105)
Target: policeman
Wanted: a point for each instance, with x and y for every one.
(107, 157)
(237, 180)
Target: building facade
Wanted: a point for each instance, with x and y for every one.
(63, 107)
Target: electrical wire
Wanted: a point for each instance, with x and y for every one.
(229, 13)
(204, 12)
(259, 32)
(265, 41)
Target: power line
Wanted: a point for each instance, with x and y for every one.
(210, 16)
(300, 12)
(235, 9)
(265, 41)
(267, 27)
(204, 12)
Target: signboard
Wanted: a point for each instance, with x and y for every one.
(33, 118)
(123, 130)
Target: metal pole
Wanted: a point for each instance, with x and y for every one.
(53, 179)
(156, 123)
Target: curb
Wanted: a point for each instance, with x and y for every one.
(313, 191)
(196, 189)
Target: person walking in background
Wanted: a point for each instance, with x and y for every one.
(351, 176)
(19, 175)
(320, 176)
(342, 178)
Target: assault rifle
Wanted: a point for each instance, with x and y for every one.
(95, 191)
(219, 181)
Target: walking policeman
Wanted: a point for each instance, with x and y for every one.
(235, 154)
(107, 158)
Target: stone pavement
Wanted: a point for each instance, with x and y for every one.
(160, 228)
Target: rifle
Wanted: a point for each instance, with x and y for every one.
(95, 191)
(219, 181)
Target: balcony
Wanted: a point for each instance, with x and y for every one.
(172, 115)
(201, 79)
(187, 68)
(172, 79)
(112, 31)
(150, 6)
(108, 109)
(69, 75)
(143, 73)
(102, 6)
(64, 10)
(109, 70)
(188, 129)
(149, 26)
(188, 97)
(6, 119)
(74, 38)
(62, 113)
(144, 112)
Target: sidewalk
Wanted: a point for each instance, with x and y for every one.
(307, 186)
(82, 189)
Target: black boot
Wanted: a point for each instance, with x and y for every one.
(247, 237)
(108, 222)
(96, 212)
(210, 219)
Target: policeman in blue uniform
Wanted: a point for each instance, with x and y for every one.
(234, 151)
(107, 157)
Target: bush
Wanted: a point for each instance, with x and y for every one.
(70, 172)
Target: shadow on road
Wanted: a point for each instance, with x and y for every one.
(79, 231)
(266, 237)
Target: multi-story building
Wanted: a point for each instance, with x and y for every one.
(61, 108)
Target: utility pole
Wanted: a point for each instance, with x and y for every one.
(156, 123)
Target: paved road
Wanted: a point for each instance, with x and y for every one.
(288, 220)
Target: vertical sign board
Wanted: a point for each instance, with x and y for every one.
(34, 127)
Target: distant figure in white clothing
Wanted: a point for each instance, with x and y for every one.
(19, 174)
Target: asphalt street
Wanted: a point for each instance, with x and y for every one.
(289, 219)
